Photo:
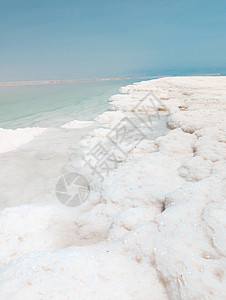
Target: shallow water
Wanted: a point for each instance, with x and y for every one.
(55, 104)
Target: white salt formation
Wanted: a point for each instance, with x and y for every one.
(12, 139)
(154, 228)
(77, 124)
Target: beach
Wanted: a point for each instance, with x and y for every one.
(153, 225)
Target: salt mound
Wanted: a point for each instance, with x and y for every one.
(77, 124)
(110, 116)
(31, 228)
(96, 272)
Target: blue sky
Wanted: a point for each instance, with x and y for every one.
(52, 39)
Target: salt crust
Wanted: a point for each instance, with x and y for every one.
(153, 229)
(77, 124)
(12, 139)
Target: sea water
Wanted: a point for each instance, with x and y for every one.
(51, 105)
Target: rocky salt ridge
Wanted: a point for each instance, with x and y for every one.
(153, 229)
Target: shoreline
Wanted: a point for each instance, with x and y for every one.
(38, 82)
(159, 215)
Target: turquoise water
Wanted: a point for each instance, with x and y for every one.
(55, 104)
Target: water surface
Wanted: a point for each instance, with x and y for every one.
(55, 104)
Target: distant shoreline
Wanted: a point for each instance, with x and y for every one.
(38, 82)
(69, 80)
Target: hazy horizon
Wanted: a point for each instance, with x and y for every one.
(44, 40)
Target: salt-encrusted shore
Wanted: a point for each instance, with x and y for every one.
(12, 139)
(155, 228)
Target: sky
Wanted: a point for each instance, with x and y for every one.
(71, 39)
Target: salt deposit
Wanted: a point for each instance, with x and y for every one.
(12, 139)
(153, 228)
(77, 124)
